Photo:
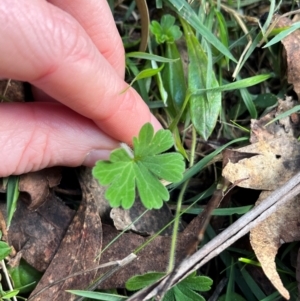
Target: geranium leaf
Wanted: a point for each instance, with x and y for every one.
(165, 166)
(149, 144)
(152, 192)
(121, 192)
(142, 171)
(198, 283)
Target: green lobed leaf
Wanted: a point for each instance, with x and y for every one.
(165, 166)
(152, 192)
(125, 173)
(122, 190)
(166, 31)
(169, 296)
(198, 283)
(148, 144)
(140, 281)
(183, 293)
(184, 290)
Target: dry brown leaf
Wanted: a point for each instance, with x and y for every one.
(78, 250)
(36, 235)
(277, 161)
(277, 149)
(37, 185)
(291, 44)
(279, 228)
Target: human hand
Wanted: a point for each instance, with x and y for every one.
(71, 52)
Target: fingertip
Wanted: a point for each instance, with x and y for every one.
(155, 123)
(96, 155)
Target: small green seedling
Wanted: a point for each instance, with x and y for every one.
(141, 170)
(166, 31)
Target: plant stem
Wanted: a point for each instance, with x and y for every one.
(179, 203)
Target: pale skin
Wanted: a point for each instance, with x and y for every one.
(71, 52)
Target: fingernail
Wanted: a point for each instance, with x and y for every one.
(95, 155)
(156, 125)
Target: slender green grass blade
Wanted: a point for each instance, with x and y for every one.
(150, 57)
(184, 9)
(284, 114)
(283, 34)
(222, 211)
(247, 99)
(12, 195)
(256, 290)
(240, 84)
(10, 294)
(97, 295)
(147, 73)
(226, 258)
(224, 37)
(139, 85)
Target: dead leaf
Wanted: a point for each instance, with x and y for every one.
(281, 227)
(77, 252)
(277, 161)
(282, 128)
(36, 185)
(277, 149)
(36, 235)
(291, 44)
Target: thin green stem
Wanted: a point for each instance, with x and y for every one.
(178, 208)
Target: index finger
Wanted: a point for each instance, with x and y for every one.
(46, 46)
(96, 19)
